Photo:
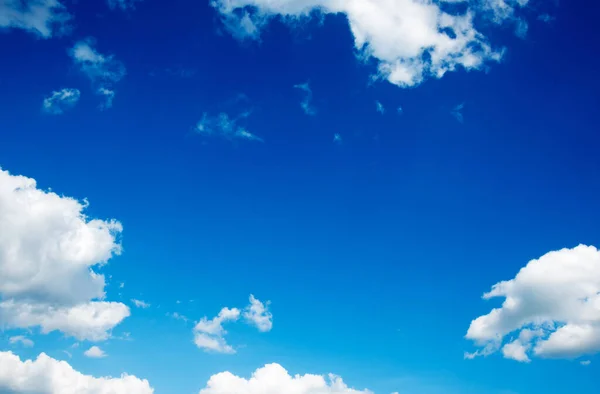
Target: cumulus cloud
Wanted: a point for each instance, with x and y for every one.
(258, 314)
(23, 340)
(410, 40)
(94, 352)
(274, 379)
(552, 307)
(209, 334)
(41, 17)
(140, 303)
(223, 126)
(46, 375)
(60, 101)
(48, 249)
(306, 103)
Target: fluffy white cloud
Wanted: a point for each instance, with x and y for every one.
(411, 40)
(225, 127)
(258, 314)
(553, 304)
(274, 379)
(306, 103)
(46, 375)
(41, 17)
(23, 340)
(48, 249)
(94, 352)
(208, 334)
(61, 100)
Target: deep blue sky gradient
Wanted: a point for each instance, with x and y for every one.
(374, 252)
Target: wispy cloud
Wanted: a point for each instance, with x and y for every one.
(306, 103)
(44, 18)
(546, 18)
(122, 4)
(457, 112)
(140, 303)
(223, 126)
(95, 352)
(178, 316)
(60, 101)
(109, 96)
(337, 138)
(379, 107)
(399, 110)
(23, 340)
(585, 363)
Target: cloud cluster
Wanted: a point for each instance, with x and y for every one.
(41, 17)
(46, 375)
(551, 309)
(103, 70)
(48, 249)
(223, 126)
(209, 333)
(274, 379)
(60, 101)
(410, 40)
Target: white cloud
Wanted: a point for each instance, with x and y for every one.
(96, 66)
(224, 127)
(337, 138)
(94, 352)
(208, 334)
(411, 40)
(140, 303)
(46, 375)
(554, 305)
(61, 100)
(48, 249)
(41, 17)
(585, 363)
(178, 316)
(379, 107)
(258, 314)
(399, 110)
(274, 379)
(122, 4)
(23, 340)
(306, 103)
(109, 96)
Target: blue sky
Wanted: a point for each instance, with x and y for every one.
(253, 149)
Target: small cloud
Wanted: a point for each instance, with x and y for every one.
(124, 5)
(140, 303)
(457, 112)
(60, 101)
(95, 352)
(546, 18)
(109, 96)
(96, 66)
(68, 354)
(585, 363)
(225, 127)
(121, 285)
(178, 316)
(209, 334)
(399, 110)
(22, 340)
(258, 314)
(521, 28)
(380, 108)
(337, 138)
(306, 103)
